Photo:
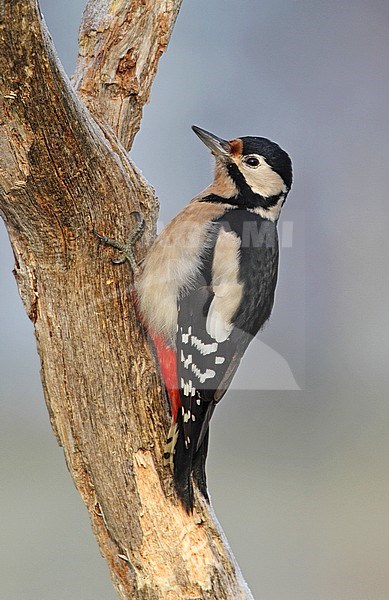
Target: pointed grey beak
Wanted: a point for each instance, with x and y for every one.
(216, 145)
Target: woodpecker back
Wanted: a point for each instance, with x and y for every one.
(207, 287)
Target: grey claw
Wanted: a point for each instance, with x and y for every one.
(126, 251)
(101, 237)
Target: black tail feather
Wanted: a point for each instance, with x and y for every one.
(183, 458)
(198, 466)
(189, 460)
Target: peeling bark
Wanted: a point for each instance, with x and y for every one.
(120, 44)
(64, 172)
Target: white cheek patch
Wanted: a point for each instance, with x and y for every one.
(263, 180)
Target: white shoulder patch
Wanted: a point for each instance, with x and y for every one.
(225, 285)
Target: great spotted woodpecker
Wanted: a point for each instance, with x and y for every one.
(207, 286)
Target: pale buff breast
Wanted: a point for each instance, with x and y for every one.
(172, 263)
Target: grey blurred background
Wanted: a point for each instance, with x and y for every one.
(298, 466)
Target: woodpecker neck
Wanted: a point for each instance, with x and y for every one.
(230, 187)
(252, 201)
(268, 208)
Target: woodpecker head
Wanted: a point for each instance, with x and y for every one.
(251, 172)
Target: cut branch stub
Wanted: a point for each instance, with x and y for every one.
(120, 44)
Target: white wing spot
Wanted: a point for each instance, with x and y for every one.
(187, 361)
(208, 374)
(188, 388)
(185, 336)
(203, 348)
(193, 389)
(219, 360)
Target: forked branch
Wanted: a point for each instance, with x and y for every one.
(64, 172)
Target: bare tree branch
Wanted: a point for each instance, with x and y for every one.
(120, 44)
(60, 177)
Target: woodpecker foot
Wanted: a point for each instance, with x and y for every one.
(126, 251)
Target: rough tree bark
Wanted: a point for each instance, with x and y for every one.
(63, 172)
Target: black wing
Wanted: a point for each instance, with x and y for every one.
(211, 339)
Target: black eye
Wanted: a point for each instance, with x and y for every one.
(252, 161)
